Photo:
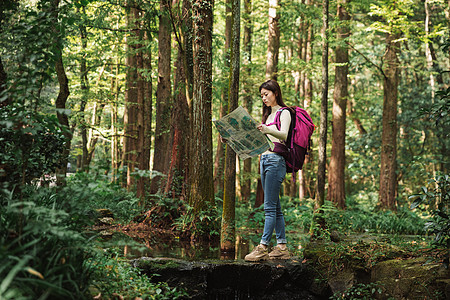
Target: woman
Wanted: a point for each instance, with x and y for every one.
(273, 171)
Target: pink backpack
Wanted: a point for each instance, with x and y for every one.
(298, 140)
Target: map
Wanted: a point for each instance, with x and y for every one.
(239, 129)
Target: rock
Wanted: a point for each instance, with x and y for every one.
(104, 213)
(290, 279)
(412, 279)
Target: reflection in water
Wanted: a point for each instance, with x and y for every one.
(150, 244)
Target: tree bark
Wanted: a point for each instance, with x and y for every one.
(388, 168)
(336, 174)
(131, 95)
(273, 46)
(201, 173)
(61, 99)
(219, 163)
(321, 169)
(307, 92)
(114, 123)
(228, 230)
(245, 180)
(3, 87)
(163, 97)
(144, 120)
(178, 169)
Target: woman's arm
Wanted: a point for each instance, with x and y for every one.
(281, 134)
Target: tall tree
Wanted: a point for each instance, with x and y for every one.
(219, 162)
(306, 90)
(323, 110)
(163, 96)
(62, 97)
(144, 120)
(336, 173)
(246, 90)
(178, 170)
(84, 87)
(130, 116)
(273, 46)
(388, 168)
(228, 230)
(200, 170)
(3, 87)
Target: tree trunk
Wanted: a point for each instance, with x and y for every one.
(131, 105)
(273, 46)
(144, 120)
(321, 169)
(200, 171)
(114, 124)
(428, 51)
(219, 163)
(245, 180)
(351, 112)
(84, 87)
(307, 91)
(3, 87)
(177, 175)
(163, 97)
(61, 99)
(336, 174)
(228, 230)
(388, 177)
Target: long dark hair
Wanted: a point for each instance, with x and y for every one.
(274, 87)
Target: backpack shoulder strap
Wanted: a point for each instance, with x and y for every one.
(277, 120)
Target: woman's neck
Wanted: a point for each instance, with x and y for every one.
(275, 108)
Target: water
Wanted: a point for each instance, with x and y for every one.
(149, 244)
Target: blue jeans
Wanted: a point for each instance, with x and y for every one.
(273, 171)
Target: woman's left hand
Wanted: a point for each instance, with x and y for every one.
(263, 128)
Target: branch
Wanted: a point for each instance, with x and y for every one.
(175, 31)
(367, 59)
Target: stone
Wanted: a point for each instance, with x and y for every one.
(278, 279)
(411, 279)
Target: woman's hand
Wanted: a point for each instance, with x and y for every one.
(263, 128)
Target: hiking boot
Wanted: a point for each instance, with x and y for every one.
(278, 253)
(258, 253)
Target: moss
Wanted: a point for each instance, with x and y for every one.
(158, 264)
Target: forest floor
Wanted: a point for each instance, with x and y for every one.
(395, 264)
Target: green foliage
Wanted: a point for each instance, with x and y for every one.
(113, 276)
(41, 255)
(356, 219)
(30, 145)
(204, 223)
(94, 191)
(360, 291)
(436, 198)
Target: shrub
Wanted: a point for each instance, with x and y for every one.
(41, 256)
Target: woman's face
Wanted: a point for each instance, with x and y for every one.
(268, 97)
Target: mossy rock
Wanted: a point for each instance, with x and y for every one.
(412, 279)
(228, 279)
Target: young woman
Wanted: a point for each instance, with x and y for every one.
(273, 171)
